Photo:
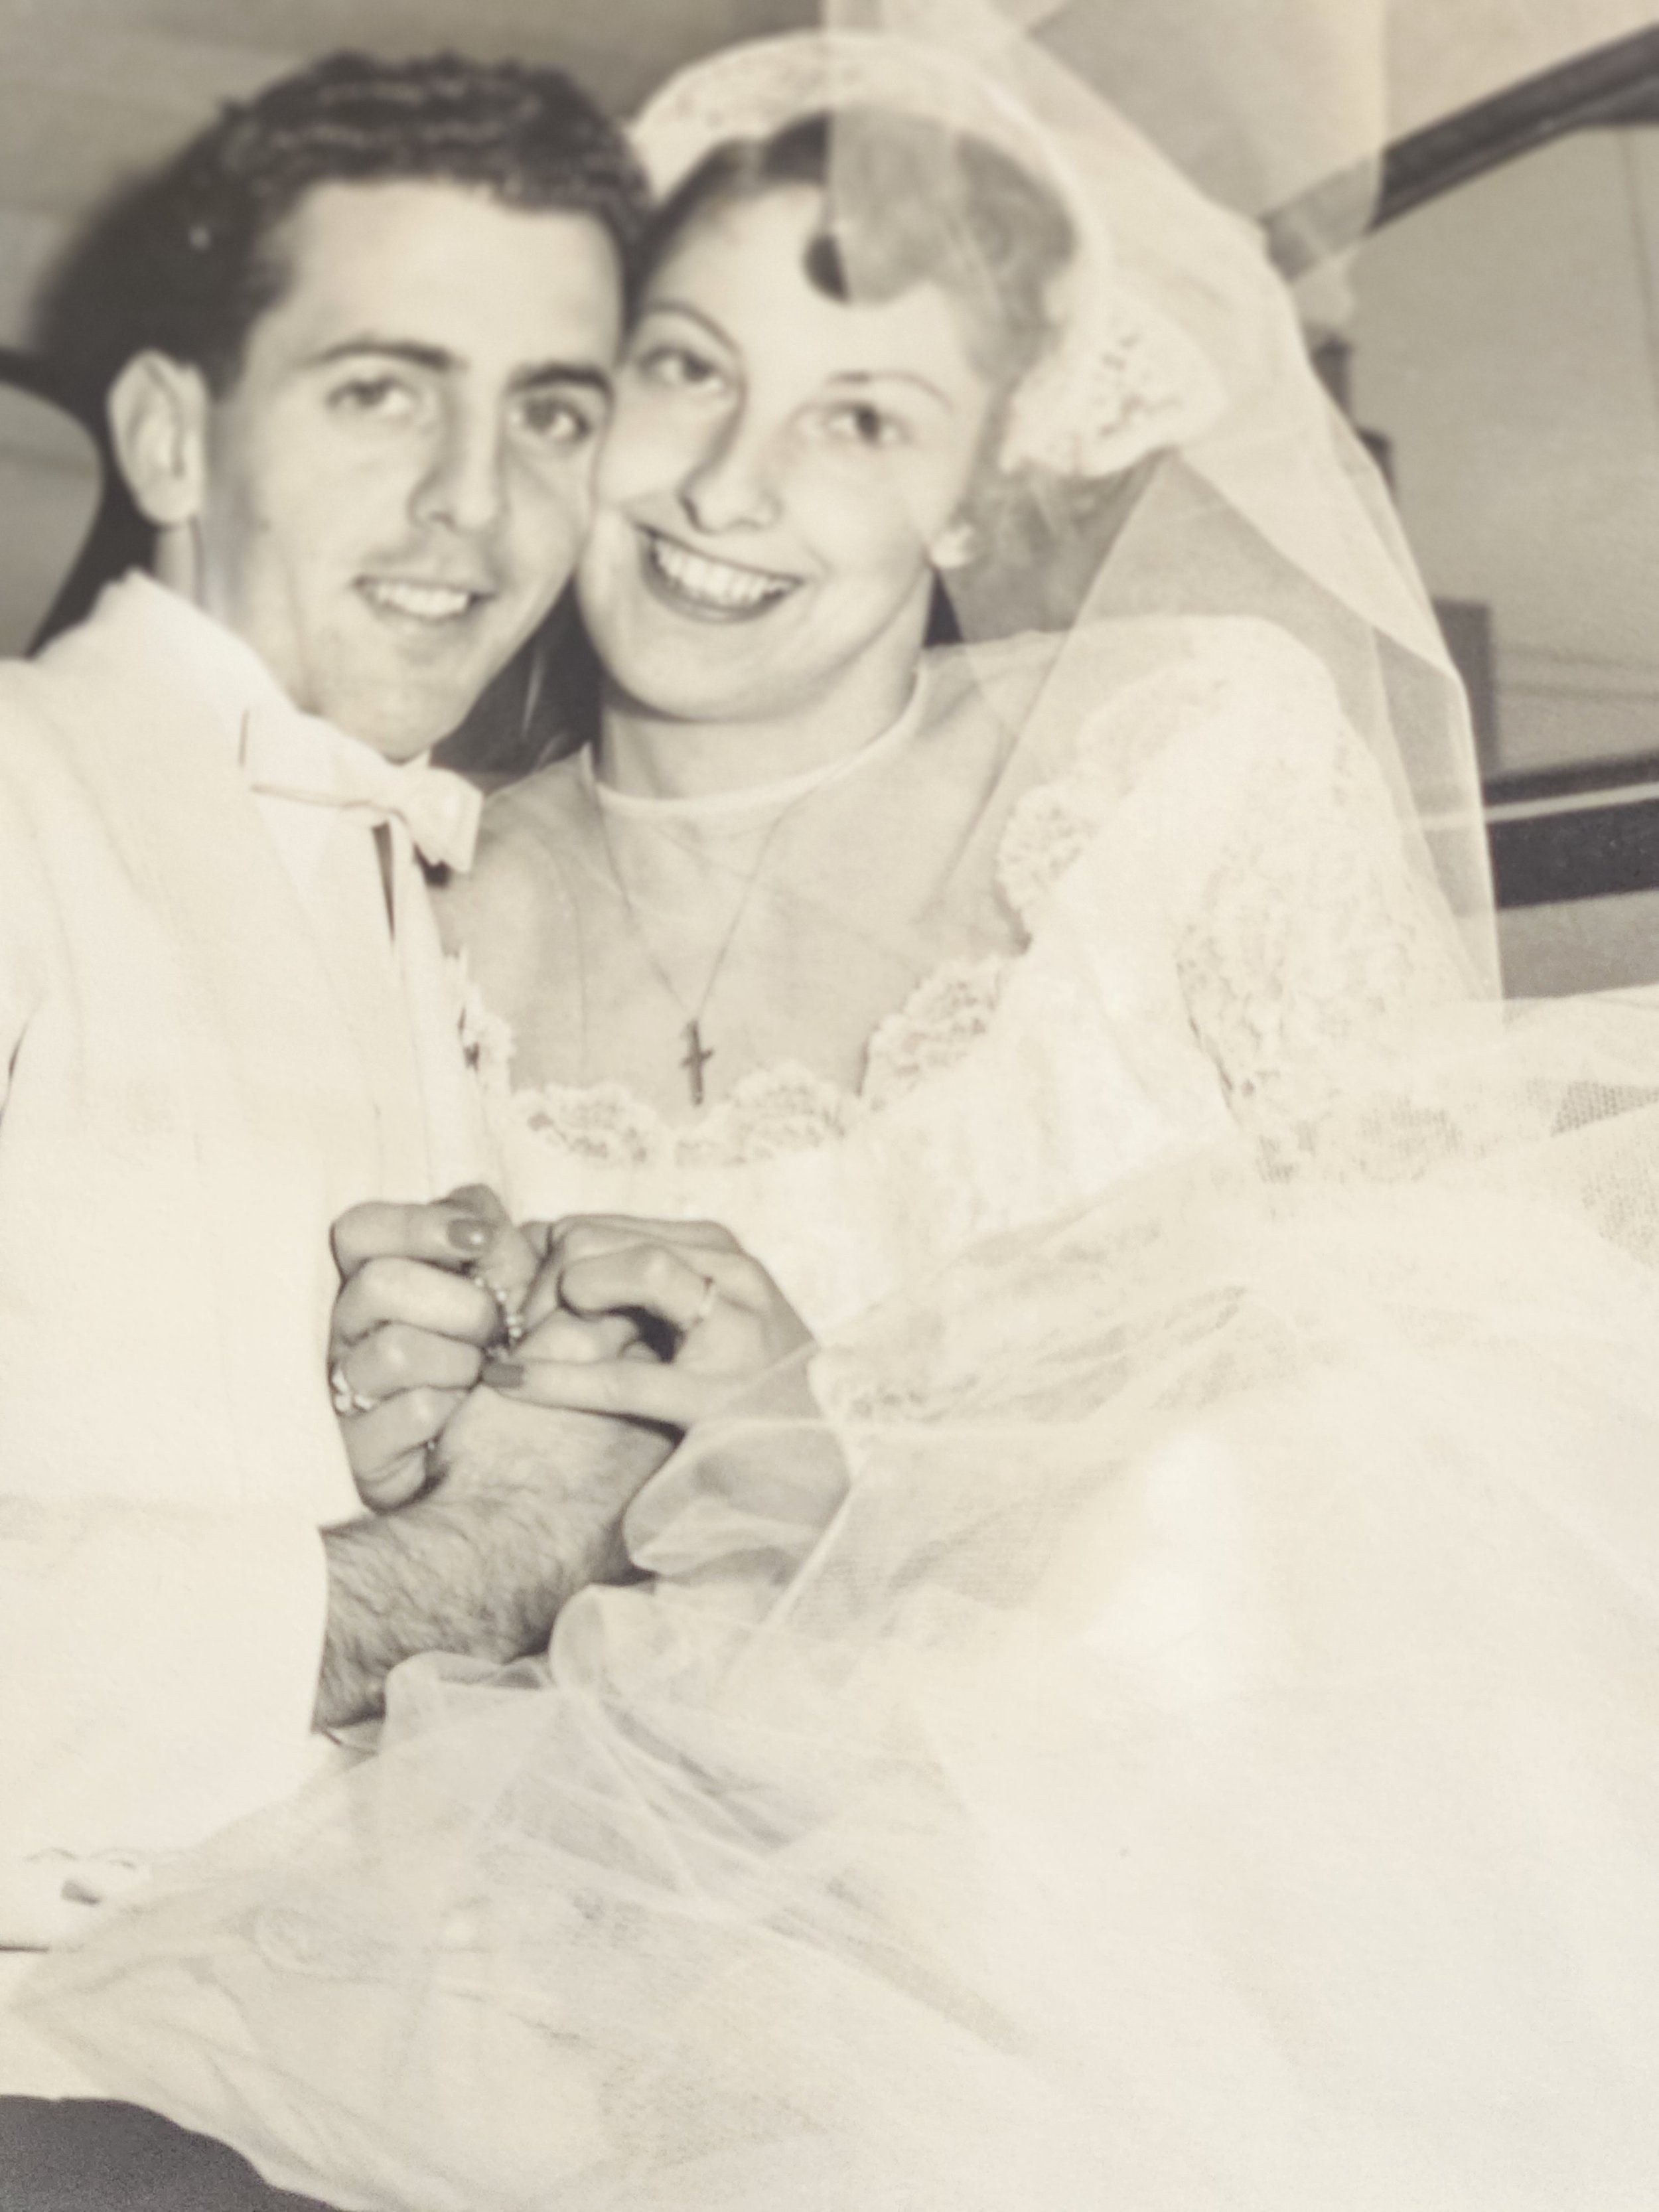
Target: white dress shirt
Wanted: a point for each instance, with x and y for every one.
(220, 1022)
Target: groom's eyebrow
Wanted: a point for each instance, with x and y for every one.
(439, 361)
(407, 350)
(563, 372)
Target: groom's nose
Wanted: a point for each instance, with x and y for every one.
(463, 481)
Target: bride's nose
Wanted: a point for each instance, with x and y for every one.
(732, 485)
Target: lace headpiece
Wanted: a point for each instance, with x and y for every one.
(1119, 381)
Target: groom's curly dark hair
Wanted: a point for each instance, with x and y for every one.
(188, 259)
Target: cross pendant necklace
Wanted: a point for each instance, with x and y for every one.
(697, 1054)
(697, 1057)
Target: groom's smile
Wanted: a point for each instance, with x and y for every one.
(405, 599)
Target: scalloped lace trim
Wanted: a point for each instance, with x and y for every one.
(772, 1111)
(935, 1031)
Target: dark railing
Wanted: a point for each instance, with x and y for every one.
(1587, 831)
(1616, 84)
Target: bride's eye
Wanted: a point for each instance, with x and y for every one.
(376, 399)
(676, 367)
(857, 423)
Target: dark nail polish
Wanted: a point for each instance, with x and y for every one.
(503, 1374)
(468, 1235)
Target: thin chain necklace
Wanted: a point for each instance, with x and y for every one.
(795, 792)
(697, 1054)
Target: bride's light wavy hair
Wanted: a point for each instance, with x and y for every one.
(908, 201)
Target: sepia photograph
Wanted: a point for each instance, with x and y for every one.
(828, 1105)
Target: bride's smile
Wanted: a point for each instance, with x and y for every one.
(719, 590)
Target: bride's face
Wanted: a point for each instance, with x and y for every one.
(782, 472)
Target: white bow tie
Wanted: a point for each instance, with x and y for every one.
(288, 755)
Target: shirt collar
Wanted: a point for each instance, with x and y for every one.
(227, 670)
(287, 754)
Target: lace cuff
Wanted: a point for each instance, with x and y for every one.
(1224, 801)
(1314, 933)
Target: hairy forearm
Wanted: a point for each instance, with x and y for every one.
(481, 1566)
(431, 1578)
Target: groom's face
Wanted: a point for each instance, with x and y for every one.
(396, 484)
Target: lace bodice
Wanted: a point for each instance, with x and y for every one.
(1207, 903)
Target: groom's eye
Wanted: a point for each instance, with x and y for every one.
(377, 399)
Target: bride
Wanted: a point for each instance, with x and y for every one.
(814, 972)
(1177, 1733)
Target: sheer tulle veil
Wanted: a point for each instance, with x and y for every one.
(1178, 1734)
(1184, 387)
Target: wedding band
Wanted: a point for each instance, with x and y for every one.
(510, 1328)
(346, 1399)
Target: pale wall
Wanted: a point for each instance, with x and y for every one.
(1508, 344)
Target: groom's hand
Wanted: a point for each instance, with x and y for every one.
(425, 1290)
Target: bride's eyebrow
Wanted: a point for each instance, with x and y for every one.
(690, 314)
(861, 379)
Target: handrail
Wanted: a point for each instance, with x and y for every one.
(1615, 83)
(1586, 779)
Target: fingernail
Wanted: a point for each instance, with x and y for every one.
(503, 1374)
(468, 1235)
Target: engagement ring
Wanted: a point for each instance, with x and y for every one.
(346, 1399)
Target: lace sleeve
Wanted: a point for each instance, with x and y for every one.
(1308, 931)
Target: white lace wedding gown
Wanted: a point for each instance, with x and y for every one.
(1182, 896)
(1180, 1738)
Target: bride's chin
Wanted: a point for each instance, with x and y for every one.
(689, 681)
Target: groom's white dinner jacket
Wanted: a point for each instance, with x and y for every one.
(212, 1041)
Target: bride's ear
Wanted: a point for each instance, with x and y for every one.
(954, 546)
(158, 417)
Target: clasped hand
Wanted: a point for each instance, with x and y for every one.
(451, 1305)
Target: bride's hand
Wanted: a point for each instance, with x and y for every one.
(720, 1327)
(426, 1290)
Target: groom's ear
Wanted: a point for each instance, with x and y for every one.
(158, 418)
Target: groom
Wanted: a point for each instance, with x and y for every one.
(356, 342)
